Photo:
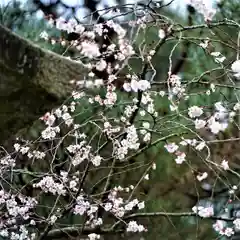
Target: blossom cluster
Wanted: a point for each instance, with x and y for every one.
(204, 212)
(218, 122)
(202, 8)
(47, 184)
(18, 210)
(136, 85)
(114, 204)
(176, 87)
(131, 142)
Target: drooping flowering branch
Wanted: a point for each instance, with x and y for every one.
(74, 168)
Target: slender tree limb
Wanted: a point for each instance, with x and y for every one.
(75, 231)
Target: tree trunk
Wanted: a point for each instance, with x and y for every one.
(32, 81)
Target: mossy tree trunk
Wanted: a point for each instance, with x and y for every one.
(32, 81)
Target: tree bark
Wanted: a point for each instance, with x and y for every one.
(32, 81)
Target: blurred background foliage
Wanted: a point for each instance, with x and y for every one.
(171, 187)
